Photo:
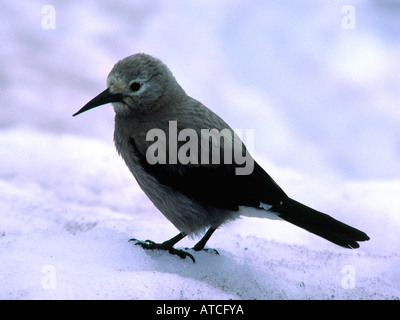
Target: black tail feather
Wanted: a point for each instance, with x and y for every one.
(320, 224)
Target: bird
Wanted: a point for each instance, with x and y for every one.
(154, 125)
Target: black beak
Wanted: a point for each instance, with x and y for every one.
(105, 97)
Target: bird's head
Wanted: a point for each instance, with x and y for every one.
(138, 84)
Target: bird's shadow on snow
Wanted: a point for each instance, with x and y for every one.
(234, 276)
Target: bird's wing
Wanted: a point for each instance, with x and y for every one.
(216, 185)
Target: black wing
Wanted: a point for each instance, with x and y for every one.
(217, 185)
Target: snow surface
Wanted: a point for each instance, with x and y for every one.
(323, 99)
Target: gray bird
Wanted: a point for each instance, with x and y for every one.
(200, 194)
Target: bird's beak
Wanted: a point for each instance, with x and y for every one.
(105, 97)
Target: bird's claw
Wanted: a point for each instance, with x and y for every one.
(214, 251)
(151, 245)
(181, 253)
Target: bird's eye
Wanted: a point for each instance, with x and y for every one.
(135, 86)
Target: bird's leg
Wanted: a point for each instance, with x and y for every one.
(166, 245)
(200, 245)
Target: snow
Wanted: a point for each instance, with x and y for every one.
(323, 102)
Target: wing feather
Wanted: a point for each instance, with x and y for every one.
(216, 184)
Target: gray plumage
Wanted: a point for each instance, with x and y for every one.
(159, 101)
(195, 196)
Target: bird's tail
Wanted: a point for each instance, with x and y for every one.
(319, 223)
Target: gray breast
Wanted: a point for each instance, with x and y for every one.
(187, 215)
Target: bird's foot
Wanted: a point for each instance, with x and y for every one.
(151, 245)
(214, 251)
